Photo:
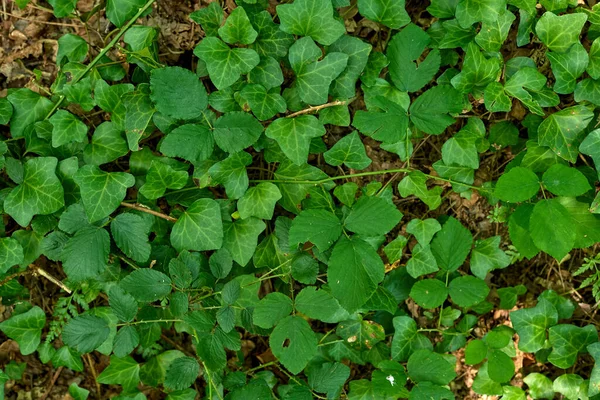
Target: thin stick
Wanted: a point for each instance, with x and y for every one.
(105, 50)
(41, 22)
(40, 271)
(52, 382)
(145, 209)
(319, 108)
(94, 375)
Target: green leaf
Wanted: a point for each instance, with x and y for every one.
(390, 125)
(314, 77)
(588, 90)
(422, 262)
(237, 28)
(6, 111)
(293, 343)
(403, 50)
(271, 41)
(225, 65)
(518, 228)
(344, 86)
(423, 230)
(567, 67)
(429, 112)
(394, 249)
(28, 108)
(130, 233)
(443, 8)
(40, 192)
(504, 133)
(294, 135)
(122, 304)
(477, 71)
(11, 254)
(232, 174)
(161, 177)
(540, 386)
(319, 305)
(199, 228)
(85, 333)
(267, 73)
(568, 341)
(354, 272)
(527, 78)
(570, 386)
(62, 8)
(86, 254)
(192, 142)
(71, 47)
(121, 371)
(496, 100)
(66, 357)
(209, 17)
(259, 201)
(594, 350)
(126, 340)
(102, 192)
(559, 33)
(415, 183)
(78, 393)
(427, 366)
(551, 228)
(120, 11)
(372, 216)
(501, 367)
(235, 131)
(451, 245)
(182, 372)
(107, 145)
(493, 34)
(349, 151)
(470, 11)
(467, 291)
(508, 296)
(475, 352)
(328, 377)
(518, 184)
(147, 285)
(593, 68)
(565, 181)
(240, 238)
(271, 309)
(265, 105)
(531, 325)
(25, 329)
(390, 13)
(407, 339)
(312, 18)
(178, 93)
(487, 256)
(429, 293)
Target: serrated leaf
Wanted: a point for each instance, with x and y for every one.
(372, 216)
(146, 285)
(354, 272)
(294, 135)
(565, 181)
(192, 142)
(390, 13)
(237, 28)
(319, 305)
(531, 325)
(320, 227)
(25, 329)
(429, 112)
(518, 184)
(259, 201)
(427, 366)
(85, 333)
(40, 192)
(241, 237)
(182, 373)
(551, 228)
(487, 256)
(407, 339)
(388, 124)
(429, 293)
(559, 33)
(130, 233)
(122, 304)
(312, 18)
(271, 309)
(293, 343)
(466, 291)
(178, 93)
(328, 377)
(199, 228)
(102, 192)
(451, 245)
(85, 255)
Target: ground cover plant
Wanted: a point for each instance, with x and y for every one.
(324, 199)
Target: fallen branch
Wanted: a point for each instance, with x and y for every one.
(313, 109)
(147, 210)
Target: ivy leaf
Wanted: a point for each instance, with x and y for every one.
(349, 151)
(429, 293)
(294, 135)
(518, 184)
(467, 291)
(241, 237)
(372, 216)
(568, 341)
(85, 333)
(192, 142)
(86, 254)
(477, 71)
(225, 65)
(121, 371)
(130, 233)
(320, 305)
(182, 372)
(237, 28)
(271, 41)
(293, 343)
(146, 285)
(259, 201)
(28, 108)
(354, 272)
(571, 386)
(387, 125)
(493, 34)
(551, 228)
(101, 192)
(312, 18)
(71, 47)
(403, 50)
(559, 33)
(161, 177)
(588, 90)
(594, 350)
(231, 173)
(320, 227)
(313, 77)
(567, 67)
(199, 228)
(267, 73)
(496, 99)
(531, 325)
(209, 17)
(422, 262)
(107, 145)
(423, 230)
(539, 386)
(470, 11)
(11, 254)
(487, 256)
(264, 104)
(525, 80)
(178, 93)
(407, 339)
(40, 192)
(25, 329)
(426, 366)
(344, 86)
(271, 309)
(565, 181)
(452, 236)
(429, 112)
(415, 183)
(390, 13)
(62, 8)
(120, 11)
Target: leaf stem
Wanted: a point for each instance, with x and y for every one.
(142, 208)
(149, 321)
(313, 109)
(103, 52)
